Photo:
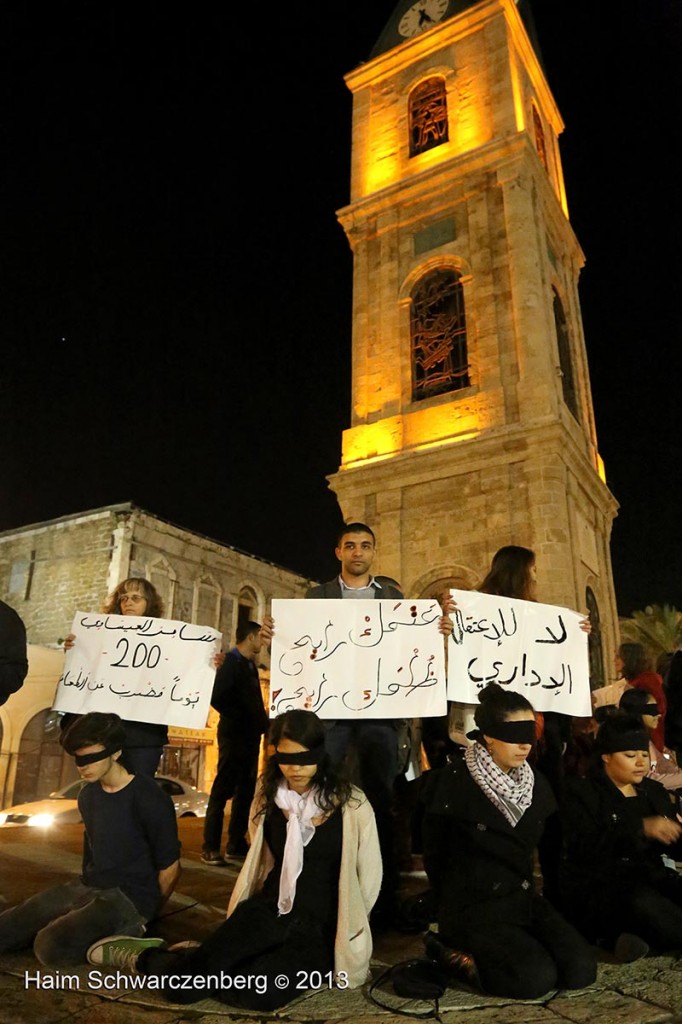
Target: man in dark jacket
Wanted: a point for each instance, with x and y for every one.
(243, 720)
(13, 660)
(371, 743)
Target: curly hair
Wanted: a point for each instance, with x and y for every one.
(112, 605)
(509, 574)
(305, 728)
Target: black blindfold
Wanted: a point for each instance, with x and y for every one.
(99, 755)
(513, 732)
(313, 756)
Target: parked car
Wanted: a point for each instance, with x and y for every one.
(61, 807)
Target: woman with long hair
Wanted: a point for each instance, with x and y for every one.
(484, 817)
(616, 888)
(299, 912)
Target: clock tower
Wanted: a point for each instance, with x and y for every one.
(472, 424)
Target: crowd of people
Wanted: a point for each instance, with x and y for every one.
(547, 841)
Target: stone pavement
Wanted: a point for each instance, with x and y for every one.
(647, 992)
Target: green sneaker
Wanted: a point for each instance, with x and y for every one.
(120, 951)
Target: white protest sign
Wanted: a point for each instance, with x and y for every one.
(358, 658)
(145, 670)
(538, 650)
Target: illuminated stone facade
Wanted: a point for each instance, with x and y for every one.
(50, 570)
(511, 457)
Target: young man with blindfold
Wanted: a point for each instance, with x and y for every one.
(131, 856)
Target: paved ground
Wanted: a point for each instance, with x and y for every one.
(647, 992)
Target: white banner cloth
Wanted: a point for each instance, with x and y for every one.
(144, 669)
(358, 658)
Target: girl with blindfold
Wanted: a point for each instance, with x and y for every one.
(513, 574)
(662, 763)
(484, 817)
(300, 907)
(619, 823)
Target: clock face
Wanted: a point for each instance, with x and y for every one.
(421, 16)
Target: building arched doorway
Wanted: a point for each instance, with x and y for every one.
(42, 764)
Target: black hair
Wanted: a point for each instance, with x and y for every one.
(612, 729)
(495, 707)
(306, 728)
(246, 629)
(97, 727)
(509, 573)
(634, 702)
(635, 660)
(353, 528)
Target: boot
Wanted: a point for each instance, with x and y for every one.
(458, 966)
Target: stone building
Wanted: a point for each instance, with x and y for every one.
(472, 424)
(49, 570)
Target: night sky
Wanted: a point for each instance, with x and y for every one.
(176, 291)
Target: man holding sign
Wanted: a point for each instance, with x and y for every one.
(374, 742)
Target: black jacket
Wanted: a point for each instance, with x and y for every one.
(237, 698)
(332, 589)
(605, 850)
(13, 660)
(479, 865)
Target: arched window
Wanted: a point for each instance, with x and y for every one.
(248, 606)
(539, 137)
(428, 116)
(565, 360)
(594, 643)
(42, 764)
(163, 577)
(439, 337)
(206, 605)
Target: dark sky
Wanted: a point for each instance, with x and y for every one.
(176, 291)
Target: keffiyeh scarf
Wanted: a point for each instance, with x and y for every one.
(511, 792)
(301, 808)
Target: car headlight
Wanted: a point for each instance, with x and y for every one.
(41, 820)
(3, 817)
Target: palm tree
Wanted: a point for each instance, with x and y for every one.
(658, 628)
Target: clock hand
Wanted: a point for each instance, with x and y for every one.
(423, 16)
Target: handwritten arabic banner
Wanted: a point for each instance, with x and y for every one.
(538, 650)
(145, 670)
(358, 659)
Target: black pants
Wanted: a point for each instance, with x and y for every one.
(235, 780)
(523, 961)
(255, 960)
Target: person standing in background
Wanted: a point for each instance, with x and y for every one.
(243, 720)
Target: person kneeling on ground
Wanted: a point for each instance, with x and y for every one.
(619, 825)
(299, 913)
(131, 855)
(483, 820)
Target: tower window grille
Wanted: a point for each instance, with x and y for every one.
(428, 116)
(439, 337)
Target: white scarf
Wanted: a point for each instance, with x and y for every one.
(302, 808)
(511, 792)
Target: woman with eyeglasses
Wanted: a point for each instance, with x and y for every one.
(144, 740)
